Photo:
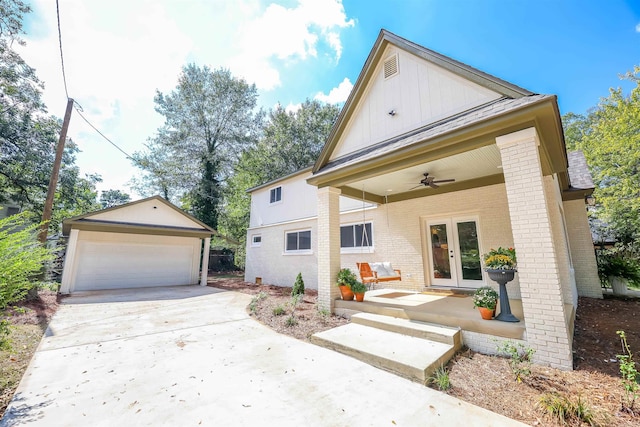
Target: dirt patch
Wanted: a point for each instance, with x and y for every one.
(29, 320)
(273, 306)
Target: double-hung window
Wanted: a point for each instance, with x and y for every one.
(298, 241)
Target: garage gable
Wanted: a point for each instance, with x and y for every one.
(153, 215)
(148, 211)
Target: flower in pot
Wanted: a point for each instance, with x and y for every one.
(500, 265)
(345, 280)
(359, 289)
(485, 299)
(500, 259)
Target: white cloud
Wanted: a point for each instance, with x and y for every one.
(337, 95)
(287, 34)
(293, 108)
(638, 28)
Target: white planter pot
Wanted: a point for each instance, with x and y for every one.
(618, 285)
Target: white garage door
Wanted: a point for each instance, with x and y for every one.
(150, 261)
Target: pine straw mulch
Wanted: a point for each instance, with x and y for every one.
(487, 381)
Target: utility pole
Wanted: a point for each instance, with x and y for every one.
(53, 181)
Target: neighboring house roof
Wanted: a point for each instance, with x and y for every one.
(385, 37)
(579, 174)
(86, 222)
(490, 110)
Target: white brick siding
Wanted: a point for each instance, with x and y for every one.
(582, 252)
(486, 344)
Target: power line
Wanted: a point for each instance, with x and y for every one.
(77, 106)
(64, 77)
(101, 134)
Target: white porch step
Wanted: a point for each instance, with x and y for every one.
(408, 356)
(413, 328)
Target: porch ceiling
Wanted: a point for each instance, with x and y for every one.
(462, 148)
(469, 169)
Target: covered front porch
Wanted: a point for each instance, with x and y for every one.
(442, 307)
(454, 309)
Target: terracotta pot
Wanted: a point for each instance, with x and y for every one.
(346, 293)
(486, 313)
(359, 296)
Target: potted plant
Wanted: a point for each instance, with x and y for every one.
(618, 271)
(345, 280)
(359, 289)
(500, 262)
(485, 299)
(500, 265)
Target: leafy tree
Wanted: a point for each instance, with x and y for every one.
(111, 198)
(210, 118)
(609, 136)
(291, 141)
(28, 135)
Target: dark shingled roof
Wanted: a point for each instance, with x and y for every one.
(486, 111)
(579, 175)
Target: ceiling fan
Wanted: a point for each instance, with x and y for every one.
(431, 181)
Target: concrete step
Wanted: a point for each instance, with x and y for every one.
(407, 356)
(413, 328)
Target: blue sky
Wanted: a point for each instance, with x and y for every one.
(118, 53)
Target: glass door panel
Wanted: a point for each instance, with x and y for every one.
(469, 251)
(443, 271)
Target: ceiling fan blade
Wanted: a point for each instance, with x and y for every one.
(444, 180)
(417, 186)
(433, 185)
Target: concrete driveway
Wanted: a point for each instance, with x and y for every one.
(191, 356)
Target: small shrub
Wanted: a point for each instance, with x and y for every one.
(298, 286)
(291, 321)
(440, 379)
(566, 411)
(5, 330)
(629, 374)
(253, 305)
(22, 260)
(520, 358)
(324, 313)
(279, 310)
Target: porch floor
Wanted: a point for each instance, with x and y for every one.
(449, 310)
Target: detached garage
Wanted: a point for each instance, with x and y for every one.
(145, 243)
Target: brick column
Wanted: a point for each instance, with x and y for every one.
(538, 269)
(328, 246)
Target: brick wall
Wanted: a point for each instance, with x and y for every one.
(582, 252)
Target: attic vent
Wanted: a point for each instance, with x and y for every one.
(391, 67)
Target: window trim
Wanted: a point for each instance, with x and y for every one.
(298, 251)
(255, 244)
(270, 192)
(358, 249)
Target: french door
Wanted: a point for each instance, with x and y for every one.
(454, 252)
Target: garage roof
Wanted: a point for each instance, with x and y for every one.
(153, 215)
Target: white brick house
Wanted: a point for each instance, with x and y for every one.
(413, 111)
